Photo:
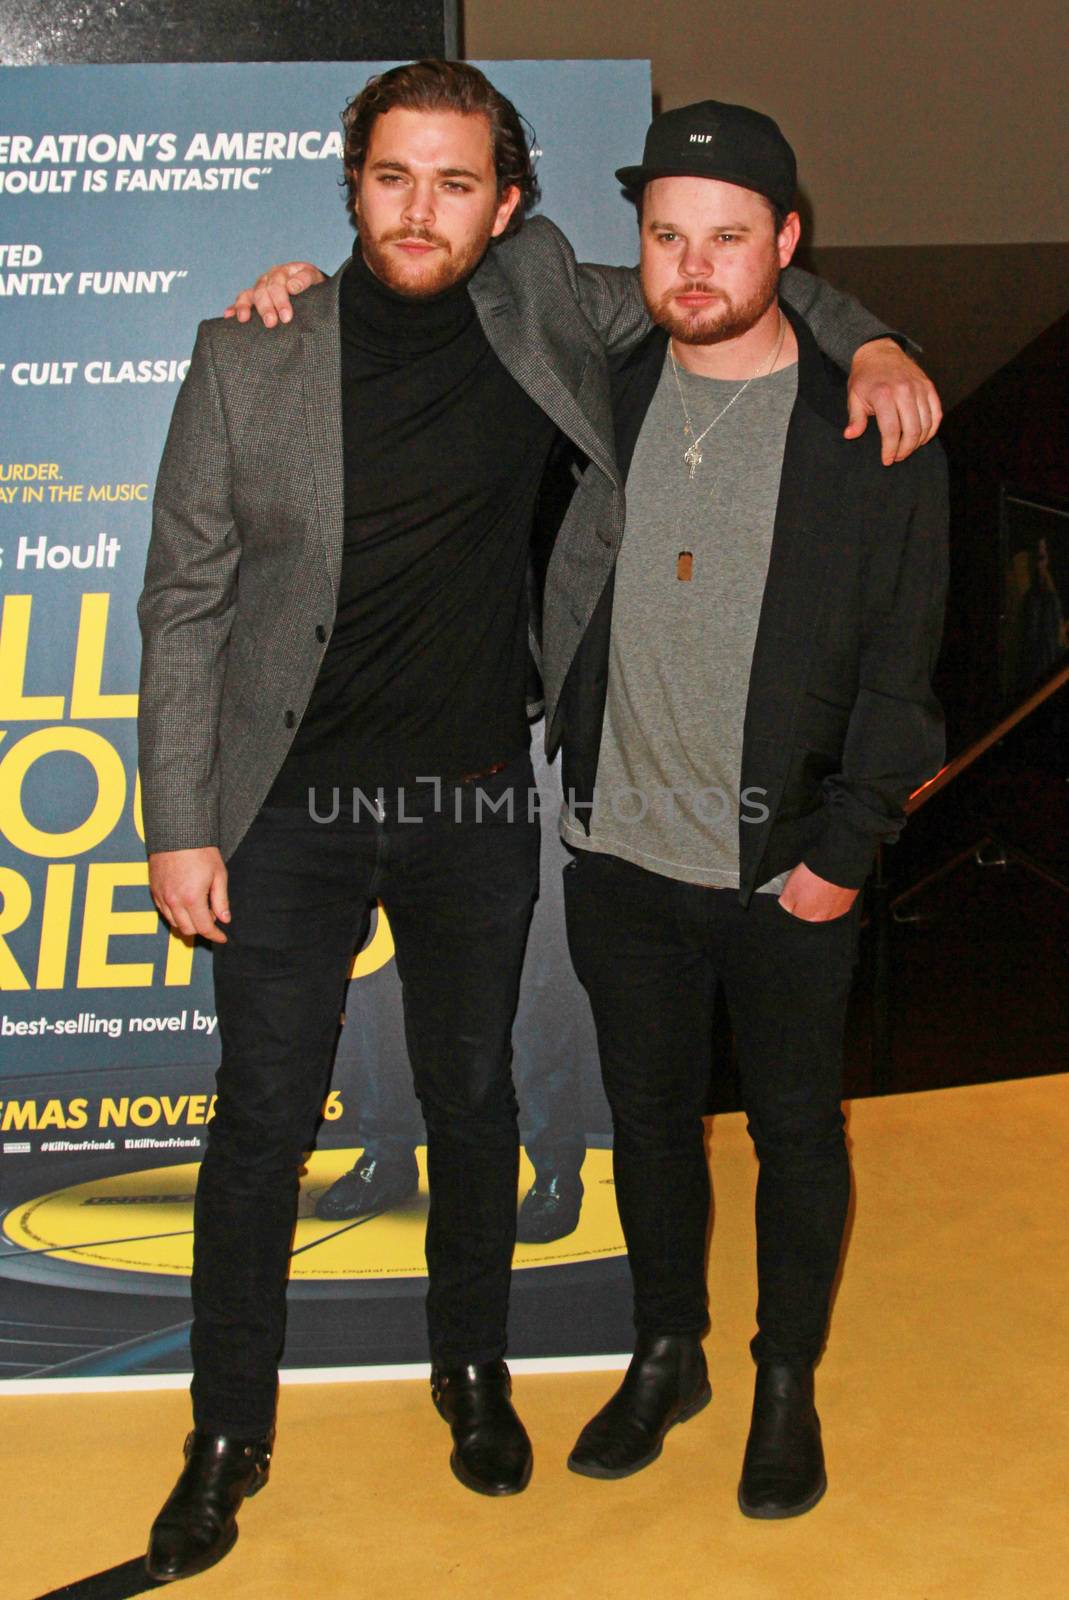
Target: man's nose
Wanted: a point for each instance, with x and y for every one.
(419, 204)
(695, 262)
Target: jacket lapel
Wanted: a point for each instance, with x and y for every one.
(560, 378)
(804, 543)
(321, 371)
(634, 384)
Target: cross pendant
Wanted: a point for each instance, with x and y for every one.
(693, 458)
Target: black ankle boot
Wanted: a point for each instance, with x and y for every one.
(197, 1526)
(667, 1382)
(491, 1450)
(783, 1469)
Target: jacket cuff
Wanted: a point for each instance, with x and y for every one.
(842, 855)
(159, 843)
(902, 340)
(168, 829)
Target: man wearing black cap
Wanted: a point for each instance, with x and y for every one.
(742, 718)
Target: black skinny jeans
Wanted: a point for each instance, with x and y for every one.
(459, 896)
(649, 951)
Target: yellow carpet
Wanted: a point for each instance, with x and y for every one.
(943, 1394)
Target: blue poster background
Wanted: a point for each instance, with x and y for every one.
(134, 201)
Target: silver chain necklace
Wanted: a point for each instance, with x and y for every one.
(692, 455)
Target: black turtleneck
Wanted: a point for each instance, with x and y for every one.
(425, 672)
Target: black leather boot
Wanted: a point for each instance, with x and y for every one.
(197, 1526)
(783, 1469)
(667, 1382)
(491, 1450)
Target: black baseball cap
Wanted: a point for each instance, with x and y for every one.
(714, 140)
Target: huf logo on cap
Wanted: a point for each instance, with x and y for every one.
(734, 144)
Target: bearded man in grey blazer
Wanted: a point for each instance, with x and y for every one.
(336, 632)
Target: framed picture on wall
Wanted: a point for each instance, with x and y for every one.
(1034, 563)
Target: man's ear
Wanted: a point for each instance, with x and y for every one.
(506, 206)
(788, 237)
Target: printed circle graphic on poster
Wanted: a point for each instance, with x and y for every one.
(141, 1223)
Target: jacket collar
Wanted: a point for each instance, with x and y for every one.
(821, 385)
(317, 320)
(317, 309)
(546, 360)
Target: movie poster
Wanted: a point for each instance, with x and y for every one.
(135, 201)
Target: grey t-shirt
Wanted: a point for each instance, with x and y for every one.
(690, 579)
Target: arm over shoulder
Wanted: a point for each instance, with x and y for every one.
(840, 323)
(609, 297)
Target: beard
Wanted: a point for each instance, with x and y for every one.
(723, 319)
(439, 272)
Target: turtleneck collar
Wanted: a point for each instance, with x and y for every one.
(384, 323)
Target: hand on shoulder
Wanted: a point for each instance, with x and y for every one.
(887, 384)
(270, 296)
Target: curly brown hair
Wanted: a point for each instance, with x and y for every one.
(443, 86)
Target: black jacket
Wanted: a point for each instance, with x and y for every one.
(841, 723)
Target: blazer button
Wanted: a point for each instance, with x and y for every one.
(290, 719)
(321, 633)
(605, 536)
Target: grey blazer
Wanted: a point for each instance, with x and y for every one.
(244, 561)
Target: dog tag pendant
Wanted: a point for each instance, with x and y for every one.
(685, 566)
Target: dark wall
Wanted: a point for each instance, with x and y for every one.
(35, 32)
(971, 307)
